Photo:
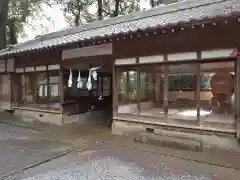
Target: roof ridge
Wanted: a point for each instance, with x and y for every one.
(186, 4)
(167, 11)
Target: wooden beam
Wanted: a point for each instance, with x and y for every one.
(97, 50)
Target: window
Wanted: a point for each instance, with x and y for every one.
(217, 101)
(38, 87)
(143, 86)
(186, 81)
(181, 81)
(128, 86)
(5, 87)
(205, 79)
(146, 86)
(54, 90)
(30, 80)
(19, 88)
(54, 85)
(42, 85)
(128, 92)
(106, 86)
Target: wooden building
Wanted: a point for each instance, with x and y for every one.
(173, 67)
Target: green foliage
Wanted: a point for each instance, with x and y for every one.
(154, 3)
(181, 81)
(125, 7)
(3, 22)
(128, 86)
(205, 80)
(187, 81)
(78, 12)
(14, 16)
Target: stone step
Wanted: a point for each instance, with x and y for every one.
(223, 125)
(181, 135)
(169, 141)
(187, 141)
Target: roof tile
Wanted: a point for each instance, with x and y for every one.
(162, 16)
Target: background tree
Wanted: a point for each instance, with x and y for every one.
(154, 3)
(99, 9)
(78, 12)
(3, 22)
(114, 8)
(14, 15)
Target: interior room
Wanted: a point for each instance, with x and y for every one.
(87, 86)
(37, 89)
(215, 96)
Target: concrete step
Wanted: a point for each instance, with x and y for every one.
(180, 135)
(169, 141)
(223, 125)
(187, 141)
(91, 118)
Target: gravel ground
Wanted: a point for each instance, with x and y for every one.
(21, 147)
(102, 162)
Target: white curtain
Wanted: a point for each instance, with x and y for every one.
(70, 79)
(79, 81)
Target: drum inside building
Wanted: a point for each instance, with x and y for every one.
(222, 88)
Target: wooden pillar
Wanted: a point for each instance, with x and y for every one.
(48, 84)
(197, 92)
(25, 85)
(34, 87)
(115, 77)
(128, 80)
(61, 88)
(138, 87)
(165, 89)
(158, 93)
(237, 96)
(61, 76)
(197, 87)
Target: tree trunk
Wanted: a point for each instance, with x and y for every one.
(12, 32)
(152, 3)
(116, 9)
(77, 15)
(76, 20)
(3, 22)
(100, 10)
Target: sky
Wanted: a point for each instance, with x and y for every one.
(57, 21)
(42, 25)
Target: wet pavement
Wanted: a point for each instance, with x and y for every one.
(21, 147)
(102, 162)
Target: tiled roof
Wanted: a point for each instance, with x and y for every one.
(182, 12)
